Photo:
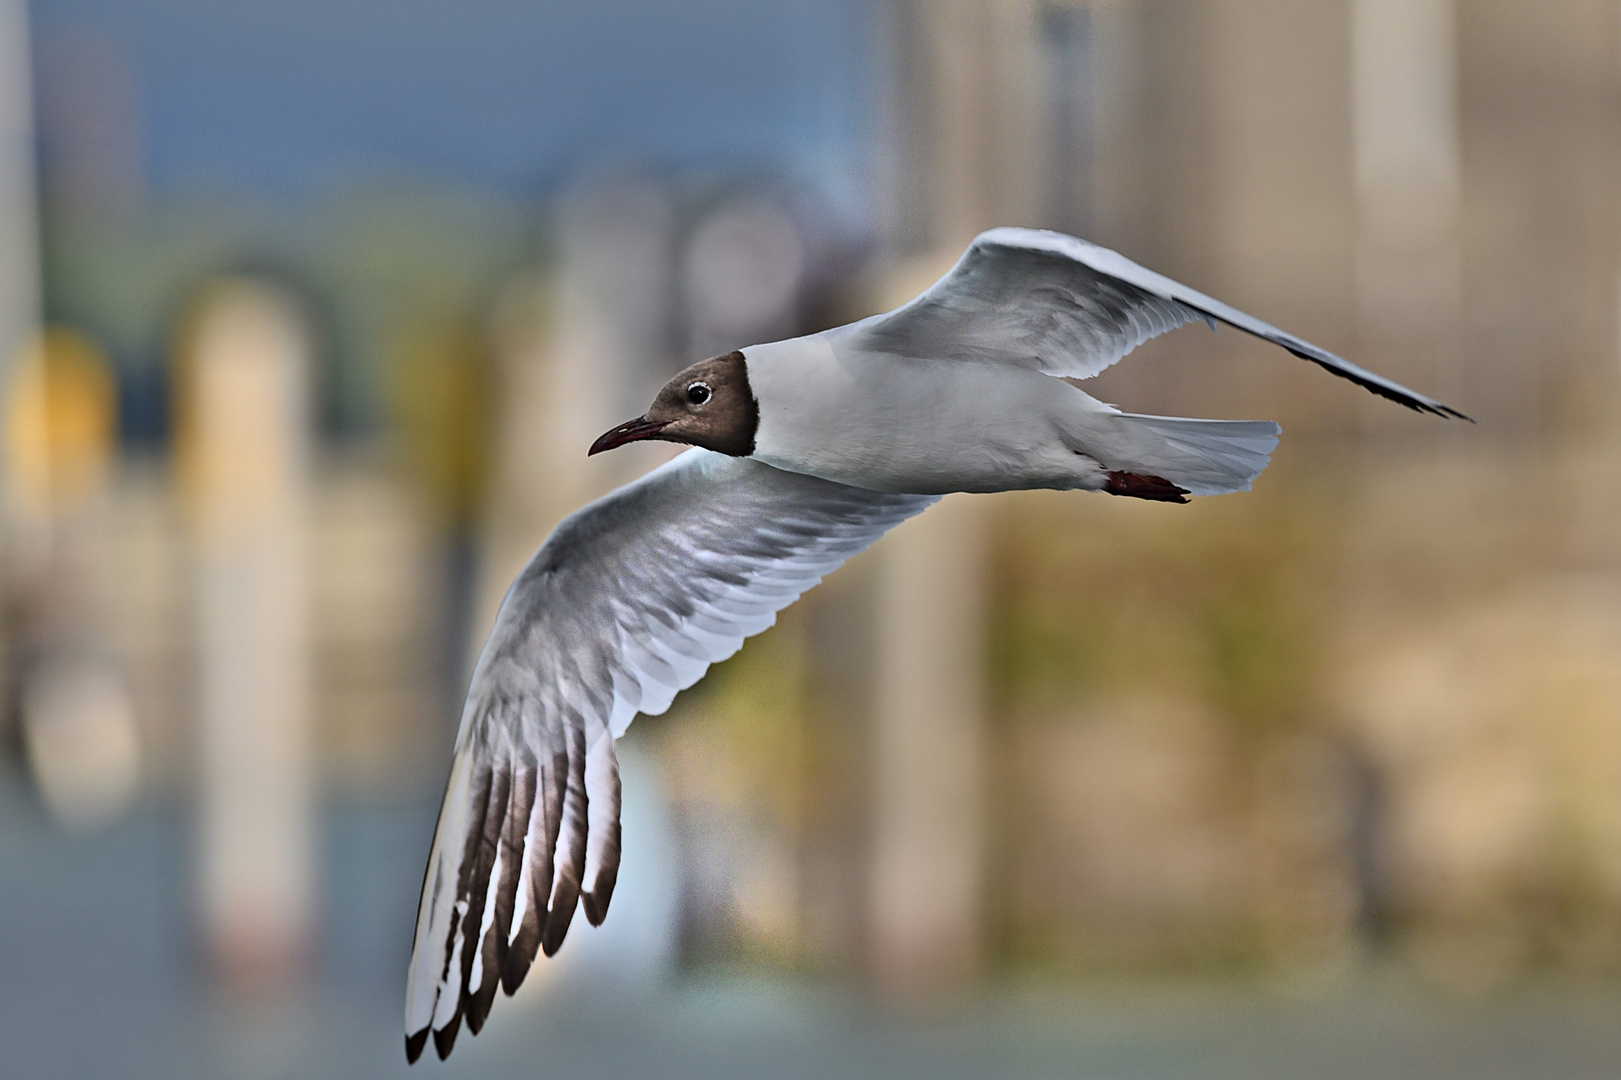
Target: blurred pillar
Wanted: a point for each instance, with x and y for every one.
(965, 149)
(19, 238)
(243, 442)
(1070, 93)
(612, 297)
(966, 111)
(742, 274)
(1406, 163)
(19, 270)
(929, 810)
(578, 350)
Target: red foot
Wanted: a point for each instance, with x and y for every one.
(1138, 486)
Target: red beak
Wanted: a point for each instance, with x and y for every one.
(628, 432)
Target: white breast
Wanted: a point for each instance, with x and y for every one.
(888, 423)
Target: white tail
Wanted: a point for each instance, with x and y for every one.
(1207, 457)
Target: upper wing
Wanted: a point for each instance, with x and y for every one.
(628, 602)
(1067, 307)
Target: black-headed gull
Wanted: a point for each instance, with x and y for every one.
(805, 452)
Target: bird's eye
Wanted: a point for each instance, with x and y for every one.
(698, 393)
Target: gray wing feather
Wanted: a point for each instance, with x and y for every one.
(1066, 307)
(626, 604)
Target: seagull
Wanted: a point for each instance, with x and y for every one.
(803, 453)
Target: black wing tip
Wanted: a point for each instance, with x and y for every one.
(414, 1043)
(1399, 395)
(478, 1005)
(445, 1038)
(596, 901)
(1419, 405)
(514, 971)
(595, 910)
(557, 924)
(520, 955)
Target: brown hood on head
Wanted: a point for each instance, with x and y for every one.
(709, 404)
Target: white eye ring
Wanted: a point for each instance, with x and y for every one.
(699, 392)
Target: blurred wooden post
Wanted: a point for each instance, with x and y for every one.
(244, 452)
(1409, 278)
(966, 113)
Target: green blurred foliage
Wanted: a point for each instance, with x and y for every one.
(370, 256)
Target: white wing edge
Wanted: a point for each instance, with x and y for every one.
(434, 920)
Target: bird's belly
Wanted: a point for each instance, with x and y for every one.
(935, 478)
(929, 428)
(934, 466)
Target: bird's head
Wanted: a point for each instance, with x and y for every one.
(709, 404)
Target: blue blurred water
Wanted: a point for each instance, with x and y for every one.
(97, 979)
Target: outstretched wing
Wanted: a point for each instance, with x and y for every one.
(627, 603)
(1066, 307)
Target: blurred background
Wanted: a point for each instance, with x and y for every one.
(309, 310)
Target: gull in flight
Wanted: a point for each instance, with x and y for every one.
(804, 453)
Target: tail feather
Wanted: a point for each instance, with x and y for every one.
(1207, 457)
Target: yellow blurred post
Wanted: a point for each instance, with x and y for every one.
(60, 433)
(61, 416)
(243, 443)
